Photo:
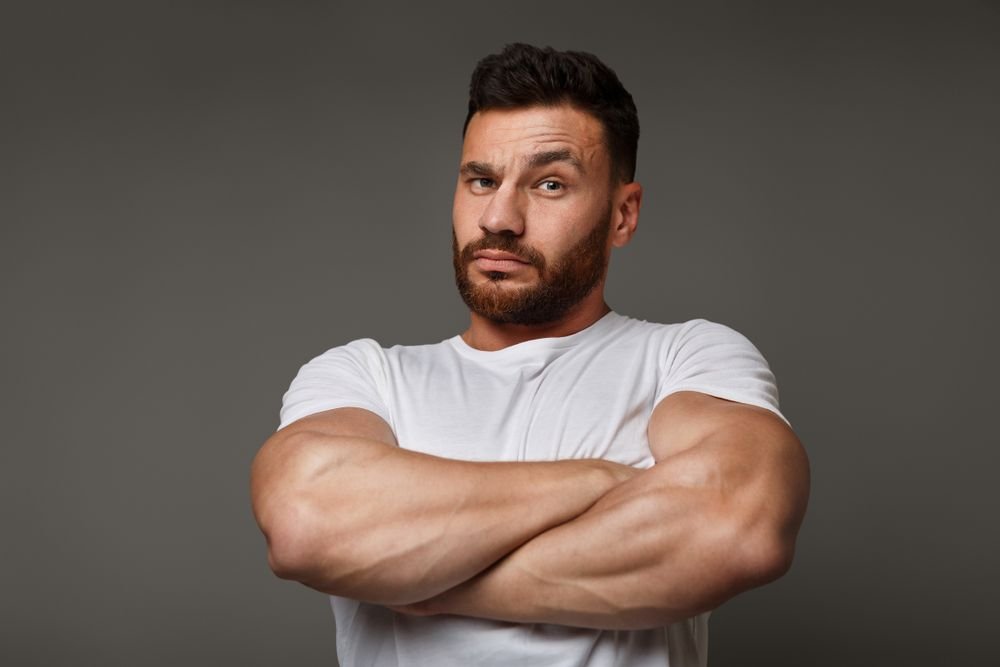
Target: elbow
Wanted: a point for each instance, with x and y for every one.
(759, 549)
(317, 531)
(311, 547)
(303, 546)
(763, 548)
(297, 534)
(772, 514)
(300, 539)
(285, 562)
(292, 549)
(765, 558)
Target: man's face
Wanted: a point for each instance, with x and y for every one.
(532, 213)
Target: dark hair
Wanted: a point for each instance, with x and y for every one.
(523, 75)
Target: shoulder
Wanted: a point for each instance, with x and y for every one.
(678, 336)
(367, 354)
(685, 337)
(348, 375)
(715, 359)
(362, 349)
(364, 357)
(361, 374)
(700, 332)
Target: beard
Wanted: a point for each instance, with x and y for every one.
(571, 277)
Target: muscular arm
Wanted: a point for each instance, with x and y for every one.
(348, 512)
(717, 514)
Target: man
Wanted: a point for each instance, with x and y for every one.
(559, 484)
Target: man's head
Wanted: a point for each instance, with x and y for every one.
(545, 186)
(524, 76)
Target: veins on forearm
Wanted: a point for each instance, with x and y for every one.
(641, 556)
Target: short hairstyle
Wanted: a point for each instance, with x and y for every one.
(523, 76)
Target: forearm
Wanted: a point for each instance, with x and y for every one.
(668, 544)
(359, 518)
(614, 567)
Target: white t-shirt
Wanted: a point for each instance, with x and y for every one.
(587, 395)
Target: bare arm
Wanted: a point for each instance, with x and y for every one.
(348, 512)
(718, 514)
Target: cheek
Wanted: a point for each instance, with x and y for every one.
(559, 222)
(465, 213)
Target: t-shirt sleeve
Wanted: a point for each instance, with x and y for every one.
(714, 359)
(349, 376)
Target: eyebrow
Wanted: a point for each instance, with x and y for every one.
(485, 169)
(474, 168)
(548, 157)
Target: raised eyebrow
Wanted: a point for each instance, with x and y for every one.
(548, 157)
(473, 168)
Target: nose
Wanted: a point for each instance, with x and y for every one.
(504, 214)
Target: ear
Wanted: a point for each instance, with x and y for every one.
(625, 217)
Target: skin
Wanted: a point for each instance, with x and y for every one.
(550, 207)
(586, 543)
(312, 487)
(716, 515)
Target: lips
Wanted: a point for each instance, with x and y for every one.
(498, 261)
(498, 256)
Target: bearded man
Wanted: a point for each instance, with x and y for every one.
(559, 484)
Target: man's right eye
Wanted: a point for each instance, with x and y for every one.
(482, 183)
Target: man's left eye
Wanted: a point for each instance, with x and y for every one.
(551, 186)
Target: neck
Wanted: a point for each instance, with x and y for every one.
(489, 336)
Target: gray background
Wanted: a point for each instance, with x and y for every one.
(199, 197)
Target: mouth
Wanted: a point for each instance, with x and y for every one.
(497, 256)
(491, 261)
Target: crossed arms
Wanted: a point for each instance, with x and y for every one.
(588, 543)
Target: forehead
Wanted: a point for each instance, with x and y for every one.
(507, 135)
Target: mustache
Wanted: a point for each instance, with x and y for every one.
(503, 243)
